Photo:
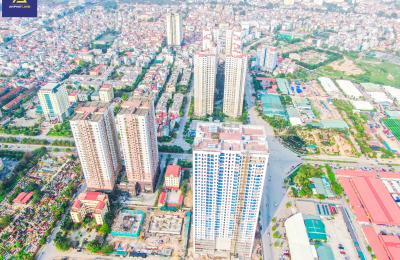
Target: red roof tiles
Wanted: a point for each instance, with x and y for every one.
(92, 195)
(173, 170)
(19, 198)
(27, 198)
(23, 197)
(99, 197)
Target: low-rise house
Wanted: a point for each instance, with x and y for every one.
(173, 177)
(94, 203)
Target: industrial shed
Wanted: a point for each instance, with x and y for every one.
(349, 89)
(362, 105)
(328, 85)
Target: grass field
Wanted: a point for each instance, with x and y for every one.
(374, 71)
(394, 126)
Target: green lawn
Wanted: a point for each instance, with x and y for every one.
(394, 126)
(374, 72)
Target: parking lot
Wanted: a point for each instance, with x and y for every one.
(337, 234)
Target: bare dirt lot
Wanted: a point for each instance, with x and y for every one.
(347, 66)
(328, 141)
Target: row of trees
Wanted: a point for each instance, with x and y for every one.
(8, 140)
(170, 149)
(336, 187)
(34, 141)
(14, 130)
(63, 143)
(37, 141)
(164, 139)
(10, 154)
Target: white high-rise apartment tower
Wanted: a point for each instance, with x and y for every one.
(233, 41)
(205, 73)
(267, 58)
(136, 126)
(96, 140)
(235, 80)
(53, 99)
(208, 40)
(229, 170)
(174, 29)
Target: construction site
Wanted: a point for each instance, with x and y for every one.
(151, 232)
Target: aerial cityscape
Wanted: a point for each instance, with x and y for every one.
(200, 129)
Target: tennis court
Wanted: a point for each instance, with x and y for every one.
(315, 228)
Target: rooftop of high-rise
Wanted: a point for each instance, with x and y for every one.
(51, 86)
(90, 111)
(212, 136)
(136, 106)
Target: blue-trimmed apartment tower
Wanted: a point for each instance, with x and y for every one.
(53, 99)
(229, 169)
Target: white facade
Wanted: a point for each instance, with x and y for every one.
(205, 73)
(95, 136)
(174, 29)
(208, 40)
(233, 41)
(267, 58)
(229, 169)
(53, 98)
(137, 130)
(299, 243)
(173, 175)
(172, 181)
(235, 81)
(106, 94)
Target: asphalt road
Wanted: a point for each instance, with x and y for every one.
(281, 162)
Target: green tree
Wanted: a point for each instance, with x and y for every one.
(104, 229)
(93, 246)
(336, 187)
(62, 242)
(5, 221)
(106, 249)
(124, 96)
(22, 255)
